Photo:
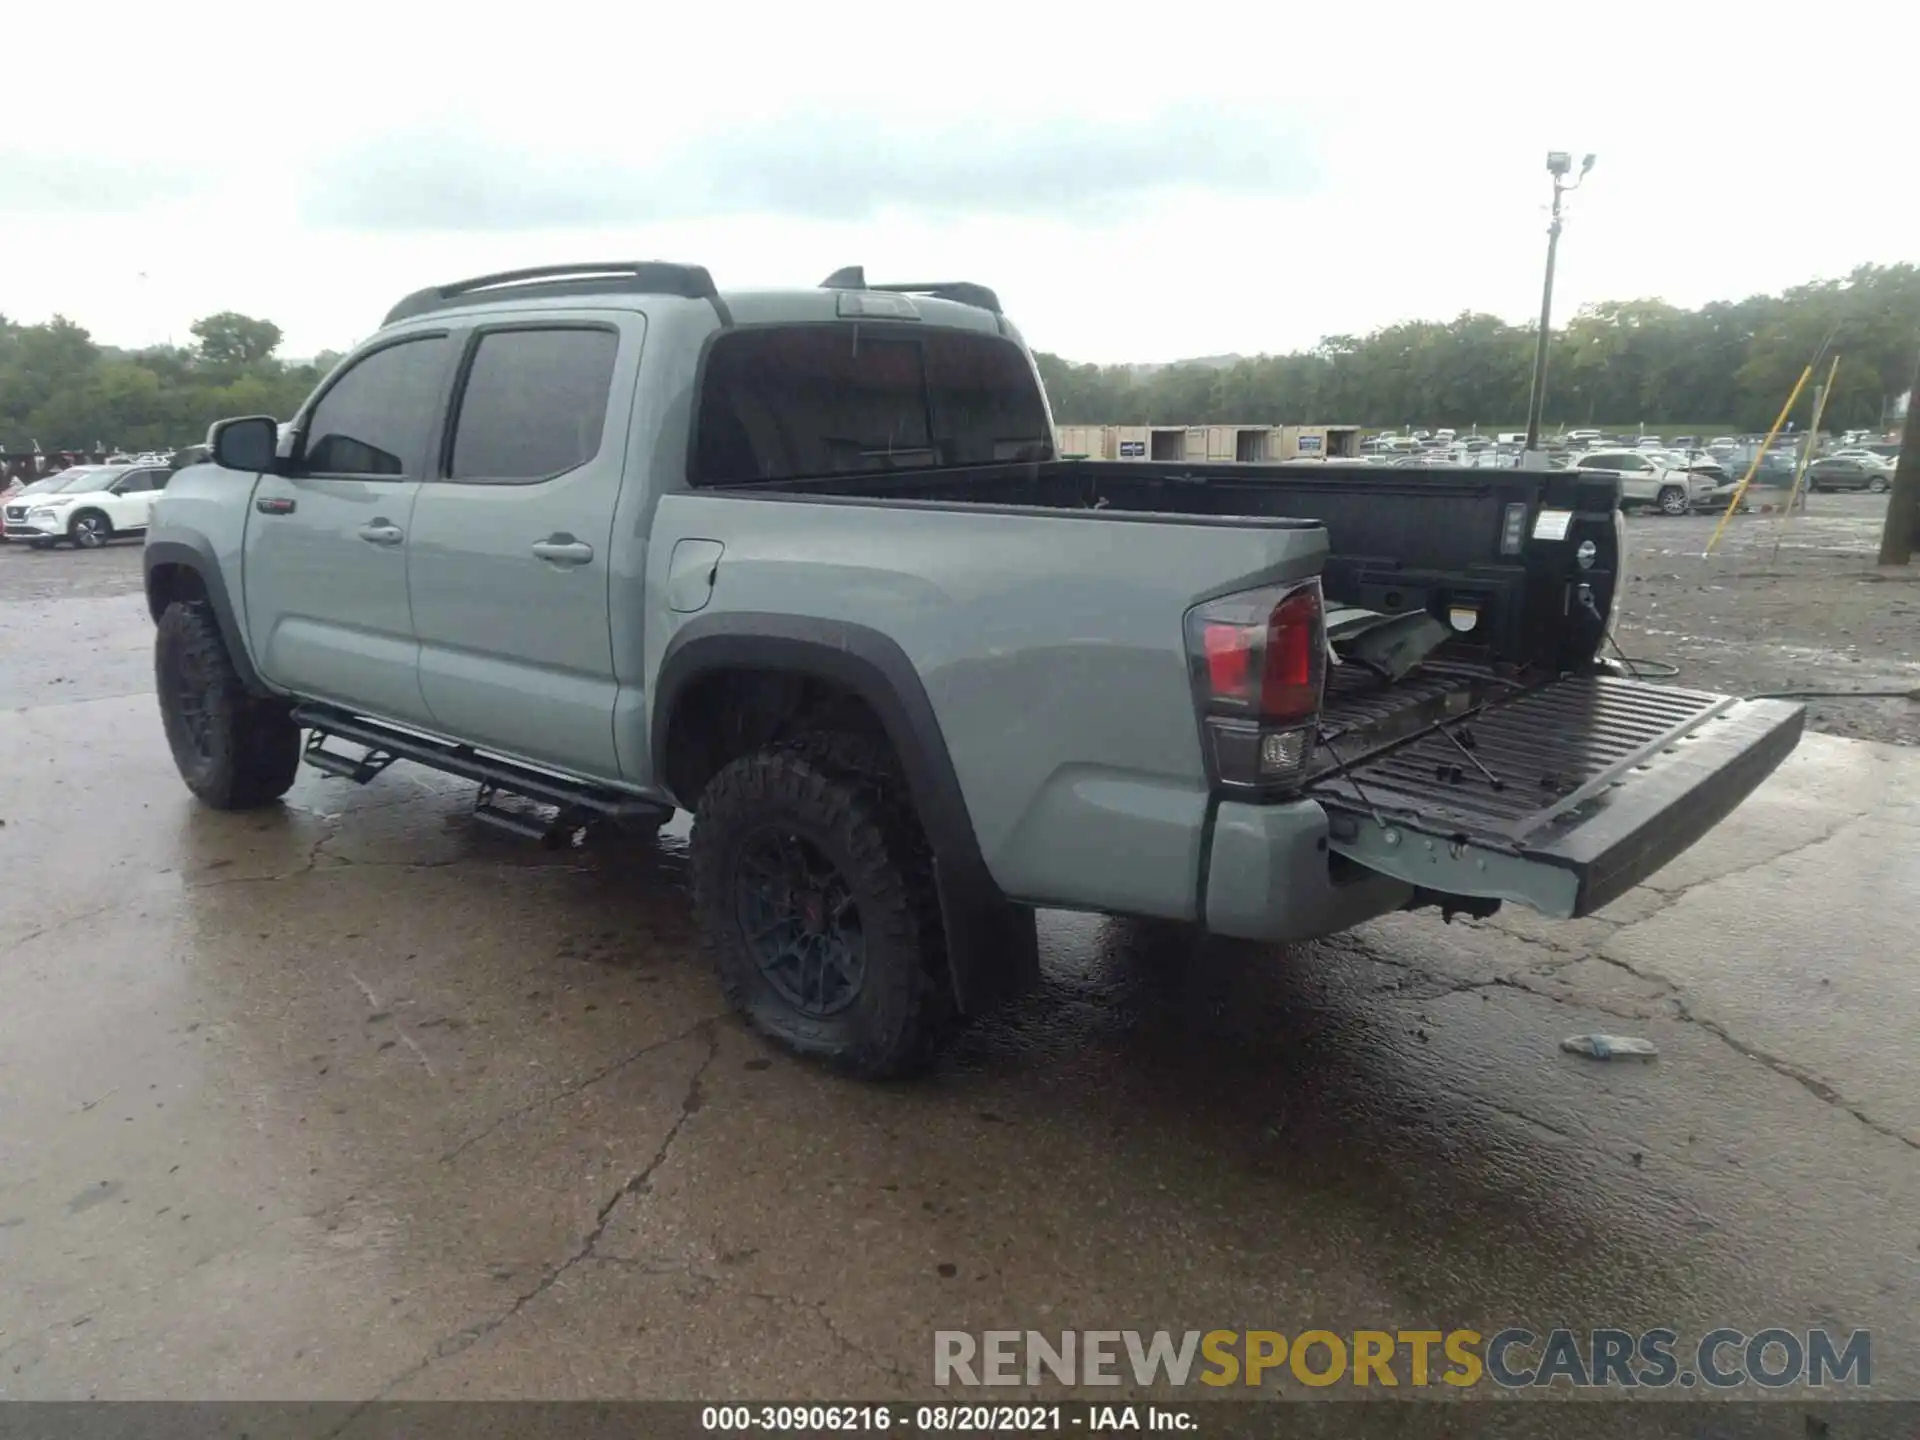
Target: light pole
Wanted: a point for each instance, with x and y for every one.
(1559, 163)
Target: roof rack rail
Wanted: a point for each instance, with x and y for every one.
(636, 277)
(961, 292)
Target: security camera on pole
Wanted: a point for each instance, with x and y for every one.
(1559, 165)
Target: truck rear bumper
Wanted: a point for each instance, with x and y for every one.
(1272, 875)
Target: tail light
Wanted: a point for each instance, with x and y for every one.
(1258, 662)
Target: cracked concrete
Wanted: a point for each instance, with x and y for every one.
(349, 1099)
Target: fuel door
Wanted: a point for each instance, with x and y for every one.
(691, 571)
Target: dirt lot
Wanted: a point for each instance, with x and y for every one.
(1782, 605)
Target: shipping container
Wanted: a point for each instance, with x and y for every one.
(1318, 442)
(1159, 442)
(1085, 442)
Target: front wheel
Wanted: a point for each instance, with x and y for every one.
(90, 531)
(234, 749)
(1877, 485)
(813, 888)
(1673, 500)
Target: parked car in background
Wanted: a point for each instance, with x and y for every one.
(1716, 501)
(1649, 481)
(89, 506)
(1773, 469)
(1836, 473)
(1866, 457)
(1577, 438)
(22, 492)
(13, 508)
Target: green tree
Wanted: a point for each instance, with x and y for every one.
(1618, 364)
(233, 339)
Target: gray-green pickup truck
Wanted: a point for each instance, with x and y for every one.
(610, 542)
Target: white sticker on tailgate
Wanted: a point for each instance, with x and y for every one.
(1552, 524)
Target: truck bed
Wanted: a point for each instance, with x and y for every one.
(1400, 539)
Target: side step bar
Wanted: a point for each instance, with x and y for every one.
(578, 804)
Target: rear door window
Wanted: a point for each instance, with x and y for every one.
(788, 402)
(534, 405)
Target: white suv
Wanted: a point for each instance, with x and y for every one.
(98, 504)
(1651, 480)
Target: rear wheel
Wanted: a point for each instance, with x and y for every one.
(1672, 500)
(813, 886)
(234, 749)
(90, 530)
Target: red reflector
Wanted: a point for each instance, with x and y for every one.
(1296, 639)
(1229, 652)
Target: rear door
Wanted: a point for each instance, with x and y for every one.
(1559, 797)
(1639, 481)
(513, 540)
(328, 543)
(133, 496)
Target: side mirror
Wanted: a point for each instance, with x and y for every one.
(248, 443)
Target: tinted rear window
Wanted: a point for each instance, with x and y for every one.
(794, 401)
(535, 404)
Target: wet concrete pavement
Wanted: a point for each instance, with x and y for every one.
(351, 1099)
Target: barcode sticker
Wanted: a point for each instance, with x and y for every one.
(1552, 524)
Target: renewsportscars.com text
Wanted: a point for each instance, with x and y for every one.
(1722, 1359)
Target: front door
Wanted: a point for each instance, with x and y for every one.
(513, 543)
(130, 507)
(327, 543)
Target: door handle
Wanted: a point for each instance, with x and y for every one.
(382, 532)
(563, 552)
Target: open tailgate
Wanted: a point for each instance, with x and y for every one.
(1560, 798)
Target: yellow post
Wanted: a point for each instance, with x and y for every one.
(1753, 469)
(1806, 451)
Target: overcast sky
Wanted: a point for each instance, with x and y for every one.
(1202, 179)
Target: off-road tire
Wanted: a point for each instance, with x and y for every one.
(89, 530)
(840, 793)
(1672, 500)
(247, 752)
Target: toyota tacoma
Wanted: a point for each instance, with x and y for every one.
(609, 542)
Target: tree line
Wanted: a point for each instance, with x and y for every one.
(1727, 365)
(61, 390)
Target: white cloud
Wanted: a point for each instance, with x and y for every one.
(1137, 186)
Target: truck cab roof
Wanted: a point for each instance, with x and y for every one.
(843, 295)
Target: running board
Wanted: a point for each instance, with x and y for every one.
(577, 803)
